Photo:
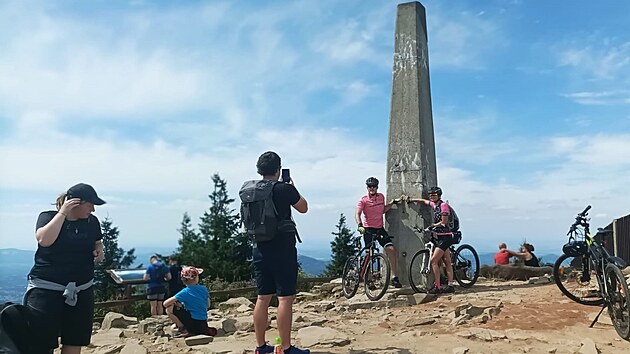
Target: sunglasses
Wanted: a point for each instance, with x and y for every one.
(372, 186)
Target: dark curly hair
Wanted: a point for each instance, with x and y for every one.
(268, 163)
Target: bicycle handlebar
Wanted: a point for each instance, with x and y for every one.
(585, 211)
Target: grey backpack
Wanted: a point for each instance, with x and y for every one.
(258, 212)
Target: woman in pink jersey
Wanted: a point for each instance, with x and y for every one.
(441, 212)
(373, 206)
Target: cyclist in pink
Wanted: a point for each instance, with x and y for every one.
(373, 206)
(441, 211)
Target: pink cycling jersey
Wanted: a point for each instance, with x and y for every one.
(372, 208)
(445, 210)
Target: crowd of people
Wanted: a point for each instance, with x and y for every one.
(60, 285)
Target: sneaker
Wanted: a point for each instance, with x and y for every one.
(449, 289)
(264, 349)
(294, 350)
(396, 282)
(435, 291)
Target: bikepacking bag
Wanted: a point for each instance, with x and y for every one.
(259, 215)
(16, 335)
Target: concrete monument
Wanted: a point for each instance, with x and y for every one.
(411, 167)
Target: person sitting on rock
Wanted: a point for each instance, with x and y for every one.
(503, 256)
(527, 253)
(188, 309)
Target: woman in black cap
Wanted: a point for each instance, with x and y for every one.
(60, 292)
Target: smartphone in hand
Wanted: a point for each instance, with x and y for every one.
(286, 176)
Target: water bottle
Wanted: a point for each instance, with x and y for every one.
(277, 349)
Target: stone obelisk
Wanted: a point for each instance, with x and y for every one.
(411, 167)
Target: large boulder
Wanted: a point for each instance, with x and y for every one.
(513, 272)
(117, 320)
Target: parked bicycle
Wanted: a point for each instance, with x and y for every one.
(368, 265)
(464, 259)
(587, 274)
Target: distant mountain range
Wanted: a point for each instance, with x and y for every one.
(16, 264)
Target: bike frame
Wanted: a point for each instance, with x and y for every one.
(596, 257)
(370, 250)
(431, 245)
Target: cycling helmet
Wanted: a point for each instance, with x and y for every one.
(435, 190)
(371, 182)
(575, 248)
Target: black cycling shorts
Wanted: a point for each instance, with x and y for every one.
(53, 318)
(382, 236)
(193, 326)
(446, 241)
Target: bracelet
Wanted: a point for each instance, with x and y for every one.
(64, 215)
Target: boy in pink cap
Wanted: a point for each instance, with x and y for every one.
(188, 309)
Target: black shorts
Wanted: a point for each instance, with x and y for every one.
(193, 326)
(446, 241)
(53, 318)
(382, 236)
(276, 267)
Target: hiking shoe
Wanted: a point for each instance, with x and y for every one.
(294, 350)
(396, 282)
(264, 349)
(449, 289)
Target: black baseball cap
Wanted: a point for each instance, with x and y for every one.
(84, 192)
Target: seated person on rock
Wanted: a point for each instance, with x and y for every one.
(188, 309)
(503, 256)
(527, 253)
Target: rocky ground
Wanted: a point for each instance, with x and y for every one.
(491, 317)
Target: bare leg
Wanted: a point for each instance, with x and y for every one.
(449, 266)
(160, 307)
(284, 319)
(261, 318)
(391, 255)
(171, 315)
(435, 265)
(153, 307)
(70, 349)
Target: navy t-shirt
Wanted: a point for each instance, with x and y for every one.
(70, 258)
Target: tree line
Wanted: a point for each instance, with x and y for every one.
(217, 245)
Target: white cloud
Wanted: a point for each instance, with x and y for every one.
(600, 98)
(462, 40)
(605, 60)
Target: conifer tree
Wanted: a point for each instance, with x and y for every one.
(341, 248)
(227, 249)
(191, 248)
(115, 258)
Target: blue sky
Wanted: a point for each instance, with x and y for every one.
(146, 100)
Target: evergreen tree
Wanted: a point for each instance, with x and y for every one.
(228, 250)
(341, 248)
(191, 248)
(115, 258)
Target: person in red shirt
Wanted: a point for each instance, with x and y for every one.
(503, 256)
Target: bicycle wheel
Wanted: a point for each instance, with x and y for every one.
(618, 300)
(419, 270)
(377, 277)
(350, 277)
(466, 265)
(575, 278)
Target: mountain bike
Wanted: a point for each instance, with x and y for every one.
(587, 274)
(368, 265)
(464, 260)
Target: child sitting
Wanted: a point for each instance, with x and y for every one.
(188, 309)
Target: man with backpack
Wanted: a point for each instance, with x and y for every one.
(266, 215)
(446, 227)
